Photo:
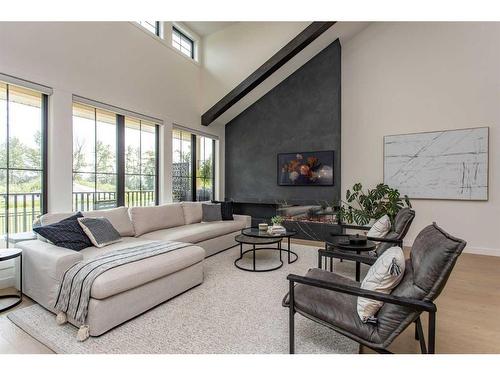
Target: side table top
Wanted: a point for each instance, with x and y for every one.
(9, 253)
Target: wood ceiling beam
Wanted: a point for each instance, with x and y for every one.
(280, 58)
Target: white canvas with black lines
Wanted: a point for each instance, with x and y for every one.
(450, 164)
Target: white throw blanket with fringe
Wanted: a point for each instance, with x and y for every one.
(74, 292)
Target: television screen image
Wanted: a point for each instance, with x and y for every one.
(306, 168)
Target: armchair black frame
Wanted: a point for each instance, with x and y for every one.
(414, 304)
(364, 258)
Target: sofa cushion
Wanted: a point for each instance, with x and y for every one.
(383, 276)
(194, 233)
(118, 217)
(99, 230)
(149, 219)
(133, 275)
(66, 233)
(192, 212)
(226, 209)
(211, 212)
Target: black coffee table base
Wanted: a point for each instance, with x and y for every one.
(246, 240)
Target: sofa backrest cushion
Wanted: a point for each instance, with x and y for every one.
(118, 217)
(192, 212)
(149, 219)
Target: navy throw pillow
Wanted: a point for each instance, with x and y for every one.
(67, 233)
(226, 208)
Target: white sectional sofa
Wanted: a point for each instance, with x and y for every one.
(129, 290)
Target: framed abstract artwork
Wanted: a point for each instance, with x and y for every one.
(313, 168)
(449, 164)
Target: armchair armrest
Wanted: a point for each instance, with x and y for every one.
(355, 227)
(412, 303)
(382, 239)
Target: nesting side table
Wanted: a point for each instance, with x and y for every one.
(8, 254)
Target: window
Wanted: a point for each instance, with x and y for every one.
(181, 42)
(205, 148)
(193, 165)
(23, 130)
(140, 163)
(94, 158)
(182, 184)
(151, 26)
(114, 160)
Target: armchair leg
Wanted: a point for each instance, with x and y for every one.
(291, 319)
(420, 334)
(432, 332)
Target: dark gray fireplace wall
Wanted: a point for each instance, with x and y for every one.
(301, 114)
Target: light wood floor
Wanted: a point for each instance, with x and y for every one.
(467, 318)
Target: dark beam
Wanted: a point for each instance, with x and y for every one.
(280, 58)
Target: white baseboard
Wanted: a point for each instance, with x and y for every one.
(483, 251)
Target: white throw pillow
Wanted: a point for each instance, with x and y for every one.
(381, 227)
(383, 276)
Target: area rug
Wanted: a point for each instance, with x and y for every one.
(233, 311)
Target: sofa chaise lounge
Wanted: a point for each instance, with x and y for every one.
(131, 289)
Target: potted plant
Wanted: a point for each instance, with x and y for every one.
(277, 227)
(362, 207)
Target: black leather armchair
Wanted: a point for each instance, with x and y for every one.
(331, 299)
(402, 223)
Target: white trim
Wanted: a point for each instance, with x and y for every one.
(27, 84)
(117, 110)
(194, 131)
(482, 251)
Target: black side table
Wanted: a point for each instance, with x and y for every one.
(253, 236)
(7, 254)
(345, 247)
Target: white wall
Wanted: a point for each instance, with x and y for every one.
(411, 77)
(113, 62)
(231, 54)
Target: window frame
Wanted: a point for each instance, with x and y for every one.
(122, 178)
(181, 36)
(194, 163)
(157, 27)
(120, 158)
(44, 110)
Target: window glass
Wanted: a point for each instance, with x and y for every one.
(181, 42)
(22, 126)
(151, 26)
(187, 174)
(94, 158)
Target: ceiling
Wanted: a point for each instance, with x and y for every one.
(342, 30)
(206, 27)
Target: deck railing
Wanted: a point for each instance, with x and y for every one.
(24, 208)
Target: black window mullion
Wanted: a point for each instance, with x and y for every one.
(157, 164)
(213, 169)
(120, 160)
(7, 189)
(45, 153)
(193, 168)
